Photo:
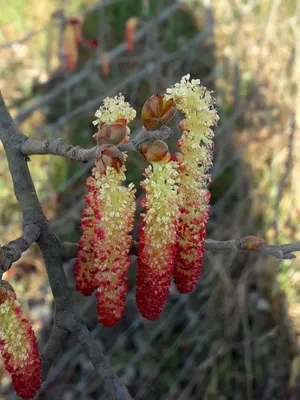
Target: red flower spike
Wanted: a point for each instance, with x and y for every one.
(112, 261)
(103, 257)
(192, 232)
(195, 161)
(83, 267)
(157, 238)
(111, 302)
(18, 345)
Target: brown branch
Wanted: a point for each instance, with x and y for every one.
(60, 148)
(36, 229)
(12, 251)
(113, 385)
(53, 347)
(69, 250)
(283, 251)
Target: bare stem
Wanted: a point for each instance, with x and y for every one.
(60, 148)
(12, 251)
(283, 251)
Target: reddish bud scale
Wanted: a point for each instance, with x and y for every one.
(157, 239)
(18, 346)
(157, 111)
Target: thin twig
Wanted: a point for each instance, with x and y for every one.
(283, 251)
(60, 148)
(12, 251)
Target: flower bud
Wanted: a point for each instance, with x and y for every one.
(157, 111)
(158, 151)
(109, 156)
(111, 133)
(251, 243)
(144, 147)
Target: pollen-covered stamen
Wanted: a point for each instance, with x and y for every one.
(112, 117)
(18, 345)
(195, 160)
(113, 109)
(157, 238)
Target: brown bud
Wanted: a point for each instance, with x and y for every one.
(6, 292)
(111, 133)
(251, 243)
(157, 111)
(158, 151)
(109, 156)
(144, 147)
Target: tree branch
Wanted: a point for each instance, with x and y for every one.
(23, 185)
(113, 385)
(53, 347)
(283, 251)
(12, 251)
(60, 148)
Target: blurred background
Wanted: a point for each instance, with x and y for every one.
(236, 336)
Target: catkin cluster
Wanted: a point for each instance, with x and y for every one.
(176, 204)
